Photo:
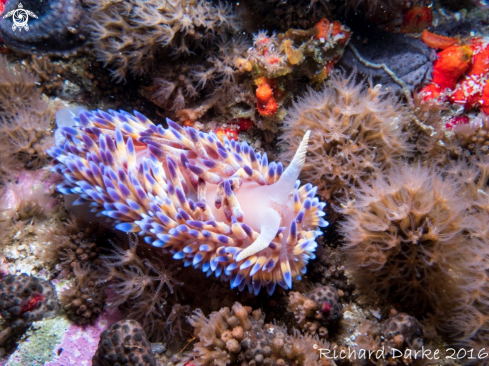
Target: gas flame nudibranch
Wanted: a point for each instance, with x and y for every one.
(220, 207)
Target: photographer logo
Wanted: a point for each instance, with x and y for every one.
(20, 16)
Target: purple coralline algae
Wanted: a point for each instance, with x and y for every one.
(220, 207)
(79, 343)
(57, 342)
(59, 28)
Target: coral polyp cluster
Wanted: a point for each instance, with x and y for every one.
(130, 35)
(83, 300)
(404, 235)
(25, 299)
(199, 83)
(317, 309)
(307, 52)
(25, 119)
(219, 207)
(124, 342)
(241, 335)
(144, 287)
(356, 130)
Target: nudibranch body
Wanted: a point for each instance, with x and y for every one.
(220, 207)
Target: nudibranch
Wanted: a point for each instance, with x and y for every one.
(221, 207)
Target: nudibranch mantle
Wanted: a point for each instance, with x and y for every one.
(220, 207)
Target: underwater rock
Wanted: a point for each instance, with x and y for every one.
(58, 342)
(37, 348)
(124, 343)
(320, 307)
(25, 299)
(461, 28)
(402, 328)
(408, 58)
(58, 29)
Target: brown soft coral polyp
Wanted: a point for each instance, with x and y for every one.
(222, 341)
(410, 236)
(25, 119)
(355, 131)
(130, 35)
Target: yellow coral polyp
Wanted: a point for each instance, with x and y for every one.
(243, 65)
(295, 56)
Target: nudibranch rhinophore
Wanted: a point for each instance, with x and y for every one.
(217, 206)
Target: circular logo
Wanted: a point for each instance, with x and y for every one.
(20, 17)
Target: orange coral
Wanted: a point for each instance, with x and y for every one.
(470, 88)
(268, 108)
(436, 41)
(463, 69)
(266, 103)
(264, 92)
(451, 64)
(338, 28)
(322, 28)
(229, 131)
(326, 30)
(417, 19)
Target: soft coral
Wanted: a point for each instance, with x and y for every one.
(142, 286)
(25, 117)
(407, 237)
(355, 130)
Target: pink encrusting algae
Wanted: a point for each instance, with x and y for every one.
(220, 207)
